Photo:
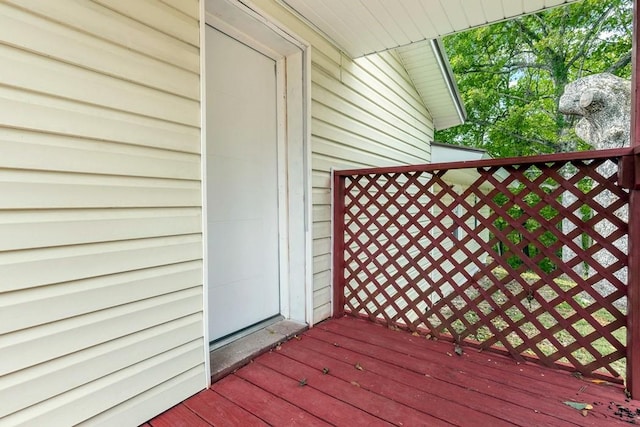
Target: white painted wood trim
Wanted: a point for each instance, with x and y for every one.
(297, 299)
(308, 203)
(283, 184)
(203, 180)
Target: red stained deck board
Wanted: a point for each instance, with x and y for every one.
(405, 379)
(530, 377)
(220, 412)
(317, 403)
(455, 370)
(178, 416)
(538, 382)
(479, 395)
(342, 389)
(263, 404)
(448, 405)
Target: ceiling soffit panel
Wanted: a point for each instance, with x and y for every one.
(362, 27)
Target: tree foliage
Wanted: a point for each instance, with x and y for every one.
(511, 75)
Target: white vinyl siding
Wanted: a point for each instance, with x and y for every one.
(101, 306)
(365, 112)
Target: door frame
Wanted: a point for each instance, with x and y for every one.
(246, 23)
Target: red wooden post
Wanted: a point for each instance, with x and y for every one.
(633, 286)
(338, 245)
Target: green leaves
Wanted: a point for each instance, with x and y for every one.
(511, 75)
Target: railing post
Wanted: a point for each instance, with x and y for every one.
(633, 294)
(633, 285)
(338, 244)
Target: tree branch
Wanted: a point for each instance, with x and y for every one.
(620, 63)
(595, 30)
(505, 69)
(543, 142)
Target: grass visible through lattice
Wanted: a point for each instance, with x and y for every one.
(527, 260)
(548, 320)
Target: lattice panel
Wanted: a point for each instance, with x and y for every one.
(529, 259)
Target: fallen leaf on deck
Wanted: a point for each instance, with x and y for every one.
(599, 381)
(355, 384)
(415, 334)
(584, 412)
(298, 337)
(302, 382)
(449, 354)
(325, 371)
(578, 405)
(278, 348)
(358, 366)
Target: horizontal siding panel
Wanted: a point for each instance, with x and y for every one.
(321, 197)
(335, 149)
(188, 7)
(368, 81)
(48, 152)
(100, 214)
(23, 70)
(158, 15)
(39, 229)
(393, 58)
(401, 129)
(83, 402)
(99, 21)
(57, 41)
(322, 246)
(51, 115)
(321, 213)
(322, 63)
(340, 136)
(362, 121)
(322, 312)
(321, 280)
(37, 306)
(324, 163)
(406, 121)
(320, 229)
(322, 297)
(44, 343)
(339, 113)
(321, 263)
(109, 193)
(144, 406)
(76, 369)
(39, 267)
(390, 74)
(321, 180)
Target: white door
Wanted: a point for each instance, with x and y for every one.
(242, 185)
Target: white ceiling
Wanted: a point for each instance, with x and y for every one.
(361, 27)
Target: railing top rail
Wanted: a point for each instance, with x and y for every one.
(506, 161)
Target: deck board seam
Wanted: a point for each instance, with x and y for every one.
(435, 394)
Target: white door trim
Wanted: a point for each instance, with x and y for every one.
(245, 22)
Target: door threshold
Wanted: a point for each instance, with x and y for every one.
(230, 357)
(228, 339)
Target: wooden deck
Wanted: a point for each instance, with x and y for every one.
(351, 372)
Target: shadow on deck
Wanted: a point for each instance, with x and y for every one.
(353, 372)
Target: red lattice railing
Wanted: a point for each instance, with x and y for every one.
(524, 258)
